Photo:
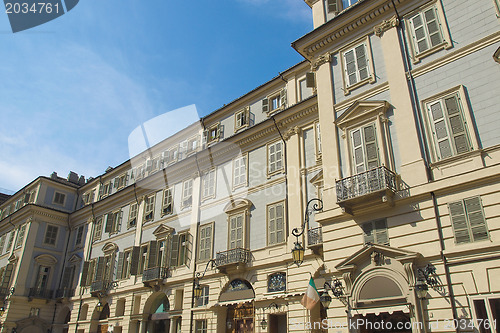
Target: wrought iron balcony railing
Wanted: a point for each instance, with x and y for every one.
(4, 292)
(233, 256)
(65, 293)
(40, 293)
(156, 273)
(314, 236)
(101, 288)
(365, 183)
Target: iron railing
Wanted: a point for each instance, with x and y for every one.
(65, 293)
(314, 236)
(40, 293)
(233, 256)
(4, 292)
(364, 183)
(102, 286)
(156, 273)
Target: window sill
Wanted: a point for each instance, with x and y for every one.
(450, 160)
(348, 89)
(277, 172)
(416, 58)
(484, 247)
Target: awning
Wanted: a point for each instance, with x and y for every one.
(160, 316)
(226, 303)
(379, 310)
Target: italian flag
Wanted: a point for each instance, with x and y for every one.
(311, 296)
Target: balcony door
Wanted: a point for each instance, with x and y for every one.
(365, 154)
(236, 231)
(42, 278)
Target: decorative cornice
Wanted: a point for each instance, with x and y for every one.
(291, 132)
(379, 29)
(322, 59)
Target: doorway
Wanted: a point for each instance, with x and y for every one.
(397, 322)
(278, 323)
(240, 318)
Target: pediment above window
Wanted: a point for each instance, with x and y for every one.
(162, 231)
(12, 258)
(109, 247)
(317, 179)
(46, 260)
(360, 111)
(237, 204)
(75, 259)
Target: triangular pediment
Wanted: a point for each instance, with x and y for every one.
(32, 321)
(12, 258)
(163, 230)
(361, 110)
(318, 178)
(369, 251)
(75, 258)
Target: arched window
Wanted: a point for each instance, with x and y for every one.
(276, 282)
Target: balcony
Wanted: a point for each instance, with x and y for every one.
(40, 293)
(3, 293)
(235, 258)
(101, 288)
(369, 187)
(154, 276)
(314, 237)
(65, 293)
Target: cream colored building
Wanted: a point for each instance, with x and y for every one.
(391, 120)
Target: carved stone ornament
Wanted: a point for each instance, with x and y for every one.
(322, 59)
(377, 258)
(291, 132)
(347, 276)
(385, 25)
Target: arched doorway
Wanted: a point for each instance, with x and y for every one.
(99, 320)
(160, 317)
(238, 298)
(61, 323)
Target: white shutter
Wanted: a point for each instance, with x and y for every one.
(432, 25)
(358, 154)
(350, 68)
(371, 149)
(362, 62)
(265, 105)
(419, 33)
(457, 125)
(440, 129)
(476, 219)
(459, 222)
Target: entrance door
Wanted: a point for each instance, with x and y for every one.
(244, 325)
(102, 329)
(161, 326)
(397, 322)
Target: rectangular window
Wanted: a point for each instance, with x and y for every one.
(51, 235)
(236, 231)
(201, 326)
(240, 171)
(242, 119)
(143, 264)
(79, 235)
(187, 193)
(192, 145)
(170, 156)
(20, 236)
(113, 222)
(11, 241)
(212, 134)
(132, 215)
(59, 198)
(276, 223)
(274, 102)
(448, 125)
(205, 242)
(375, 232)
(203, 300)
(467, 218)
(356, 62)
(274, 157)
(364, 147)
(126, 264)
(149, 208)
(180, 249)
(42, 278)
(305, 90)
(208, 184)
(98, 229)
(168, 202)
(35, 312)
(317, 133)
(487, 313)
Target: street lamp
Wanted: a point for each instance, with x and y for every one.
(197, 289)
(337, 291)
(421, 288)
(325, 299)
(263, 322)
(99, 307)
(2, 310)
(298, 250)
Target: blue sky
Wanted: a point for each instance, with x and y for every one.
(73, 89)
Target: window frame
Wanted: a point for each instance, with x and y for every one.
(187, 201)
(20, 237)
(63, 203)
(130, 218)
(169, 190)
(446, 42)
(282, 155)
(236, 214)
(148, 204)
(204, 325)
(347, 87)
(78, 242)
(284, 227)
(216, 129)
(373, 228)
(206, 196)
(54, 238)
(245, 183)
(97, 234)
(209, 249)
(489, 313)
(238, 125)
(468, 123)
(204, 299)
(467, 220)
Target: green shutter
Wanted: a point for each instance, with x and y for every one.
(153, 254)
(134, 260)
(369, 236)
(380, 231)
(7, 275)
(350, 68)
(370, 141)
(174, 251)
(457, 126)
(362, 61)
(440, 129)
(332, 6)
(358, 154)
(419, 34)
(85, 271)
(119, 266)
(67, 278)
(109, 222)
(310, 80)
(99, 269)
(272, 225)
(459, 222)
(265, 105)
(476, 219)
(432, 25)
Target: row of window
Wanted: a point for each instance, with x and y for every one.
(27, 198)
(19, 237)
(467, 219)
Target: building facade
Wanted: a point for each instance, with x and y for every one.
(391, 121)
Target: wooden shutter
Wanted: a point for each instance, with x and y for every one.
(118, 221)
(283, 97)
(440, 130)
(380, 232)
(370, 140)
(432, 25)
(7, 275)
(153, 254)
(189, 249)
(85, 271)
(99, 269)
(109, 222)
(459, 222)
(457, 126)
(116, 182)
(272, 225)
(236, 232)
(134, 260)
(419, 35)
(357, 149)
(350, 68)
(369, 236)
(280, 230)
(174, 250)
(220, 131)
(67, 279)
(310, 80)
(362, 62)
(119, 266)
(332, 6)
(265, 105)
(476, 218)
